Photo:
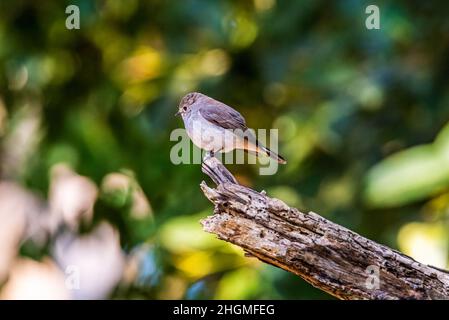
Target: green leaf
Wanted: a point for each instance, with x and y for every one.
(407, 176)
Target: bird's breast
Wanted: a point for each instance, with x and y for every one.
(206, 135)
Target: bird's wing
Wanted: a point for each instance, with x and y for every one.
(223, 116)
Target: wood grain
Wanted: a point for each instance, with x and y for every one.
(327, 255)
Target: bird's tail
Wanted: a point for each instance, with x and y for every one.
(251, 145)
(273, 155)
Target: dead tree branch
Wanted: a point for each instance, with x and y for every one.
(329, 256)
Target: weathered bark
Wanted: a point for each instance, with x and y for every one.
(329, 256)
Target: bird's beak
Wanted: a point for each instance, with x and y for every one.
(177, 113)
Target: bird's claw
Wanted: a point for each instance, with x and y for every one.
(208, 155)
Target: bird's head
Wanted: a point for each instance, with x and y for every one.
(186, 102)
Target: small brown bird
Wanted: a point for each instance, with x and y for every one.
(216, 127)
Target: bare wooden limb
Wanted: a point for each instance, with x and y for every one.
(329, 256)
(217, 171)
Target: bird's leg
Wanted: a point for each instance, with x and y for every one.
(209, 154)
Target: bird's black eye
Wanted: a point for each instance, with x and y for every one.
(184, 108)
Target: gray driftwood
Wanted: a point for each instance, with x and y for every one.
(329, 256)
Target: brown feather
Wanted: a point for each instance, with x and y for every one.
(223, 116)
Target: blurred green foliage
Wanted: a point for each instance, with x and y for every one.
(358, 112)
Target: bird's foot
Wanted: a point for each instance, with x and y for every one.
(208, 155)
